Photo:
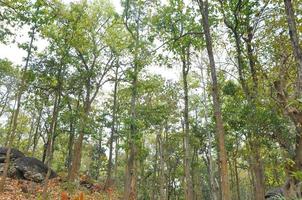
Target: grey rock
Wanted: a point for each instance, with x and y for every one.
(33, 169)
(15, 153)
(274, 194)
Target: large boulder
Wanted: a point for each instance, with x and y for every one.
(14, 154)
(32, 169)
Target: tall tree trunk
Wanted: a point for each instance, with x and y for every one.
(12, 131)
(113, 131)
(222, 154)
(257, 170)
(130, 192)
(214, 190)
(187, 157)
(77, 151)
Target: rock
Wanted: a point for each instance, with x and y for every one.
(12, 172)
(276, 193)
(32, 169)
(15, 153)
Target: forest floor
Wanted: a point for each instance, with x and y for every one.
(27, 190)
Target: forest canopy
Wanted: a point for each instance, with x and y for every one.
(153, 99)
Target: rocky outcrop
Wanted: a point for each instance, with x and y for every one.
(23, 167)
(32, 169)
(14, 154)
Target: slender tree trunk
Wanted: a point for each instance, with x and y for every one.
(252, 60)
(214, 190)
(113, 131)
(36, 135)
(21, 89)
(72, 134)
(156, 170)
(29, 142)
(162, 178)
(224, 178)
(45, 145)
(187, 157)
(116, 156)
(237, 179)
(70, 144)
(50, 143)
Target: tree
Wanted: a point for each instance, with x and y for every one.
(87, 23)
(225, 190)
(134, 14)
(33, 18)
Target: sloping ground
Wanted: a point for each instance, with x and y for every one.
(27, 190)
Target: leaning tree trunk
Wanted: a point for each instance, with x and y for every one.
(222, 154)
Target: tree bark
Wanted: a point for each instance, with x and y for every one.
(162, 178)
(50, 143)
(130, 192)
(222, 154)
(187, 157)
(113, 131)
(214, 190)
(77, 151)
(36, 135)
